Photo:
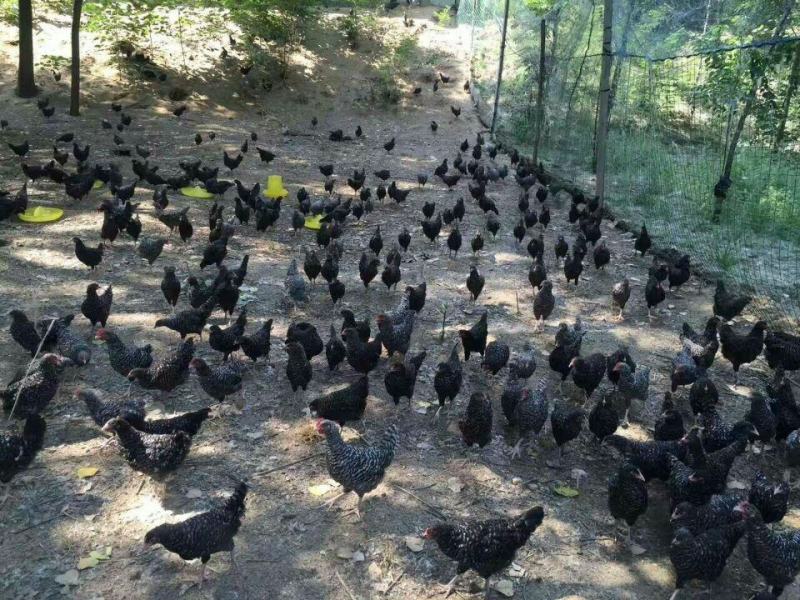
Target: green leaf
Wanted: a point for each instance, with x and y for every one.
(566, 491)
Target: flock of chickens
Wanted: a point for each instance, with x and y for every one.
(693, 461)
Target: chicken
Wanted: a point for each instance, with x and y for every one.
(495, 357)
(150, 248)
(221, 381)
(573, 267)
(717, 434)
(416, 296)
(401, 378)
(703, 394)
(762, 418)
(717, 512)
(395, 337)
(152, 454)
(774, 554)
(226, 340)
(32, 393)
(357, 467)
(587, 373)
(123, 358)
(784, 407)
(620, 294)
(770, 498)
(650, 457)
(199, 291)
(632, 385)
(191, 320)
(486, 547)
(298, 368)
(168, 372)
(349, 322)
(448, 378)
(601, 255)
(368, 268)
(476, 426)
(702, 346)
(475, 282)
(544, 302)
(91, 257)
(97, 307)
(654, 294)
(727, 304)
(643, 242)
(627, 495)
(566, 422)
(103, 410)
(362, 356)
(24, 332)
(741, 349)
(344, 404)
(621, 354)
(669, 425)
(529, 414)
(189, 422)
(782, 350)
(703, 556)
(170, 287)
(523, 364)
(603, 418)
(679, 273)
(205, 534)
(474, 339)
(684, 370)
(17, 450)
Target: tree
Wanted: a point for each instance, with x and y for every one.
(75, 83)
(26, 86)
(794, 78)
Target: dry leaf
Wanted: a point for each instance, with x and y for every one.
(455, 485)
(319, 490)
(344, 553)
(87, 562)
(194, 493)
(85, 472)
(414, 543)
(566, 491)
(505, 587)
(68, 578)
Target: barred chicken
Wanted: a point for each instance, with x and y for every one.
(153, 454)
(168, 372)
(495, 357)
(652, 458)
(627, 495)
(221, 381)
(191, 320)
(33, 393)
(124, 358)
(103, 409)
(632, 385)
(530, 415)
(17, 450)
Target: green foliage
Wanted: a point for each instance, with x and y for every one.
(8, 11)
(443, 17)
(356, 26)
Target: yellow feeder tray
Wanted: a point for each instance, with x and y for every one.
(98, 184)
(314, 222)
(275, 187)
(41, 214)
(196, 192)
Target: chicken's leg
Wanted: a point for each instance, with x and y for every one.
(450, 587)
(675, 594)
(487, 590)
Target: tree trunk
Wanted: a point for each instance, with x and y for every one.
(500, 66)
(787, 101)
(26, 86)
(540, 93)
(75, 83)
(604, 100)
(730, 154)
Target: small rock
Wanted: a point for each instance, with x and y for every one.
(414, 543)
(68, 578)
(505, 587)
(194, 493)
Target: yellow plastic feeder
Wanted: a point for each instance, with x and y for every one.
(41, 214)
(275, 187)
(196, 192)
(314, 222)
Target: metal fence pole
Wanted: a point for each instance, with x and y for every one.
(500, 66)
(605, 93)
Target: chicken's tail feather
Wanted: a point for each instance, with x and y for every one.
(235, 503)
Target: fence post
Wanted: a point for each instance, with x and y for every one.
(540, 95)
(605, 92)
(500, 65)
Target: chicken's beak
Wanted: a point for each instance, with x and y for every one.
(427, 534)
(639, 475)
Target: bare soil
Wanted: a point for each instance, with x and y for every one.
(288, 547)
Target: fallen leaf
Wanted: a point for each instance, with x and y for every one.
(87, 562)
(344, 553)
(505, 587)
(414, 543)
(566, 491)
(102, 554)
(455, 485)
(319, 490)
(84, 472)
(194, 493)
(68, 578)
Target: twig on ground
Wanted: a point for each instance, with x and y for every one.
(432, 509)
(394, 583)
(344, 585)
(287, 465)
(37, 524)
(28, 370)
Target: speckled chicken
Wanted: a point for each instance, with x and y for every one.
(741, 349)
(97, 307)
(220, 381)
(717, 434)
(448, 378)
(782, 350)
(703, 557)
(627, 495)
(226, 341)
(189, 422)
(103, 409)
(357, 468)
(474, 339)
(344, 404)
(669, 424)
(784, 407)
(17, 450)
(298, 368)
(37, 389)
(152, 454)
(771, 498)
(205, 534)
(761, 417)
(294, 284)
(401, 378)
(632, 385)
(621, 354)
(495, 356)
(530, 414)
(396, 336)
(191, 320)
(523, 363)
(124, 358)
(717, 512)
(476, 426)
(652, 458)
(774, 554)
(168, 372)
(486, 547)
(588, 372)
(684, 370)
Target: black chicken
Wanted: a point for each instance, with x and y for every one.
(544, 302)
(298, 367)
(29, 395)
(401, 378)
(91, 257)
(448, 378)
(474, 339)
(588, 373)
(741, 349)
(727, 304)
(627, 495)
(23, 331)
(97, 307)
(566, 422)
(669, 425)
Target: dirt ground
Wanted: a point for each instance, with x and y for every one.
(288, 547)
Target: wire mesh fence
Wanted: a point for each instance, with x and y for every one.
(672, 120)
